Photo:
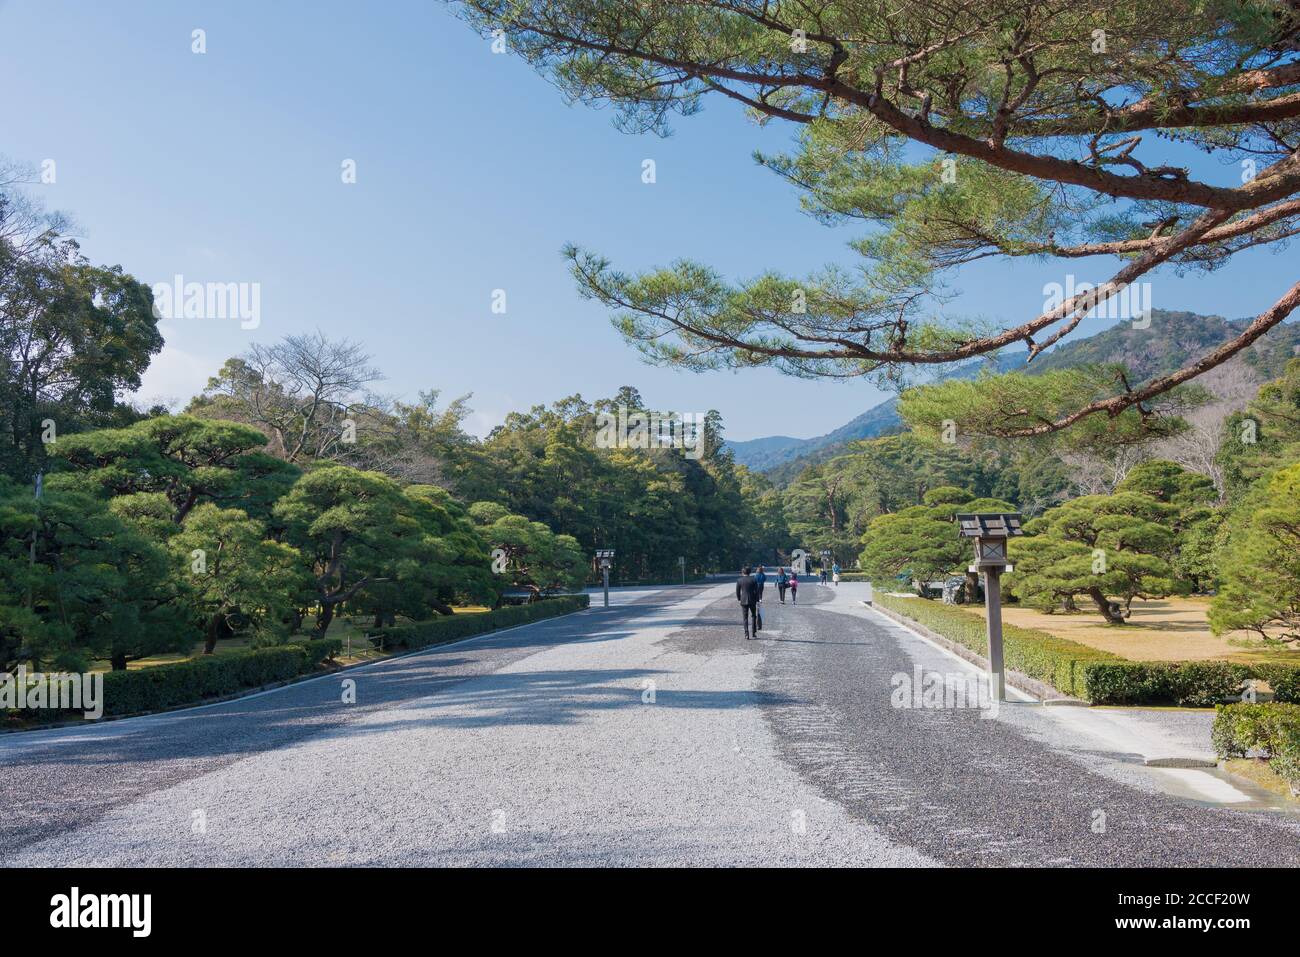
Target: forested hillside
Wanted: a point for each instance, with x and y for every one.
(1167, 344)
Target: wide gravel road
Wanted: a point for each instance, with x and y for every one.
(648, 733)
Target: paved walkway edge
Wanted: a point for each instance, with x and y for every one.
(1039, 689)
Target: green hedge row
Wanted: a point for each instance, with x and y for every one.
(1062, 664)
(1271, 731)
(1283, 679)
(1192, 684)
(211, 676)
(1094, 675)
(439, 631)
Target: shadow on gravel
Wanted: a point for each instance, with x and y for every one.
(86, 771)
(558, 698)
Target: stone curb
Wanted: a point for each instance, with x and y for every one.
(1039, 689)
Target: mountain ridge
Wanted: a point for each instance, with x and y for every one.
(1147, 352)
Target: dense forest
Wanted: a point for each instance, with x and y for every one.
(290, 489)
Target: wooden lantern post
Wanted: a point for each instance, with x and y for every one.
(991, 531)
(606, 558)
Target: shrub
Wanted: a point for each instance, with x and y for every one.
(212, 676)
(1192, 684)
(1092, 674)
(1286, 764)
(1200, 684)
(439, 631)
(186, 682)
(318, 650)
(1283, 679)
(1271, 730)
(1061, 663)
(1264, 728)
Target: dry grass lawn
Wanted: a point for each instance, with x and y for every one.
(1170, 629)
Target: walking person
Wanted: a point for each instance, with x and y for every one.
(794, 589)
(760, 577)
(747, 595)
(782, 583)
(835, 573)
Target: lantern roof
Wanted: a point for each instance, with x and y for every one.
(988, 524)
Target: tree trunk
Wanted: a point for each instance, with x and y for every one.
(118, 661)
(379, 620)
(1103, 605)
(323, 618)
(211, 634)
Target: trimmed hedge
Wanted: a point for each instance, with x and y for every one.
(1061, 663)
(1192, 684)
(1094, 675)
(213, 676)
(1271, 731)
(1283, 679)
(439, 631)
(209, 676)
(317, 651)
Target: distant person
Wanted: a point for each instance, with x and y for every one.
(821, 573)
(747, 595)
(782, 583)
(760, 576)
(835, 573)
(794, 589)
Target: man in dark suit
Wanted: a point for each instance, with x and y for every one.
(747, 595)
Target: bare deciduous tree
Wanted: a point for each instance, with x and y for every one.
(301, 390)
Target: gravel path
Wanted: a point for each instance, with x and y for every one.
(647, 733)
(1024, 788)
(543, 755)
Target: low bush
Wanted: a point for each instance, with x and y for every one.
(1061, 663)
(439, 631)
(1283, 679)
(209, 676)
(1094, 675)
(317, 651)
(1192, 684)
(1269, 731)
(212, 676)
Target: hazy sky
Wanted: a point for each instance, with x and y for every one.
(471, 174)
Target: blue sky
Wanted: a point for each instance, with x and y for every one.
(472, 173)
